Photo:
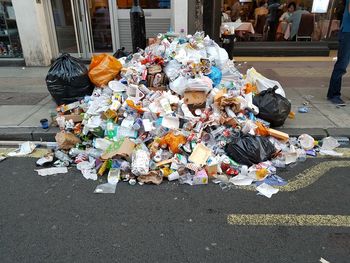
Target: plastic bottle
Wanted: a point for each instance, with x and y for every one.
(62, 156)
(75, 152)
(301, 156)
(110, 129)
(279, 163)
(95, 153)
(182, 36)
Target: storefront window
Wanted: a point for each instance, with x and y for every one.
(64, 24)
(10, 44)
(282, 20)
(101, 25)
(145, 4)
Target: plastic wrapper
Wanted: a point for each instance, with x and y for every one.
(306, 141)
(172, 69)
(273, 107)
(105, 189)
(262, 83)
(103, 69)
(217, 54)
(140, 161)
(250, 150)
(179, 85)
(215, 75)
(68, 80)
(153, 177)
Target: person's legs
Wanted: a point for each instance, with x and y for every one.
(340, 66)
(272, 32)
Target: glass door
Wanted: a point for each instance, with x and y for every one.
(83, 27)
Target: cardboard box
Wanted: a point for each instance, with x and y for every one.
(211, 170)
(200, 178)
(123, 147)
(154, 69)
(278, 135)
(76, 118)
(195, 97)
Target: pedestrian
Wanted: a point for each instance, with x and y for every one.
(343, 59)
(235, 11)
(272, 18)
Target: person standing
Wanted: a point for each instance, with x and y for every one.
(343, 59)
(235, 11)
(272, 19)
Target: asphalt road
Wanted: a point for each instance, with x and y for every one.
(59, 219)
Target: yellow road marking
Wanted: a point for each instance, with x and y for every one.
(307, 177)
(288, 220)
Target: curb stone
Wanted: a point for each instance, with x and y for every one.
(28, 134)
(39, 134)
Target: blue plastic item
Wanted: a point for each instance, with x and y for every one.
(215, 75)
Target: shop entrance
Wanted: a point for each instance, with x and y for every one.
(86, 27)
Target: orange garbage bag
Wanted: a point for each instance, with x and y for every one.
(103, 69)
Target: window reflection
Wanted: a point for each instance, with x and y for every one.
(145, 4)
(101, 25)
(280, 20)
(64, 25)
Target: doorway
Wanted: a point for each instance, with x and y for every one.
(86, 27)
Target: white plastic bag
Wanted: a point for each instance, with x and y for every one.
(216, 53)
(172, 69)
(179, 85)
(263, 83)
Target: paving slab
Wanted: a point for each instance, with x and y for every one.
(313, 119)
(17, 98)
(14, 115)
(339, 116)
(41, 113)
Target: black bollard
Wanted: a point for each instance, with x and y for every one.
(138, 26)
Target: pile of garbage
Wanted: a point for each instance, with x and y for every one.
(177, 111)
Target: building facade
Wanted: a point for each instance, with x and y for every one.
(37, 31)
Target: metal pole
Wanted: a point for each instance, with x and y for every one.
(138, 26)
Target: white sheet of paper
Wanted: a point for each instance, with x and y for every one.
(241, 180)
(171, 122)
(127, 123)
(24, 149)
(147, 125)
(105, 189)
(291, 157)
(267, 190)
(53, 170)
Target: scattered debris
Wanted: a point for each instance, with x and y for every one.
(179, 110)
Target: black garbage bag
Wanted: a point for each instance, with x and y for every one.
(249, 149)
(273, 107)
(68, 80)
(121, 53)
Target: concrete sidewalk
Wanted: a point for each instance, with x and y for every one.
(24, 99)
